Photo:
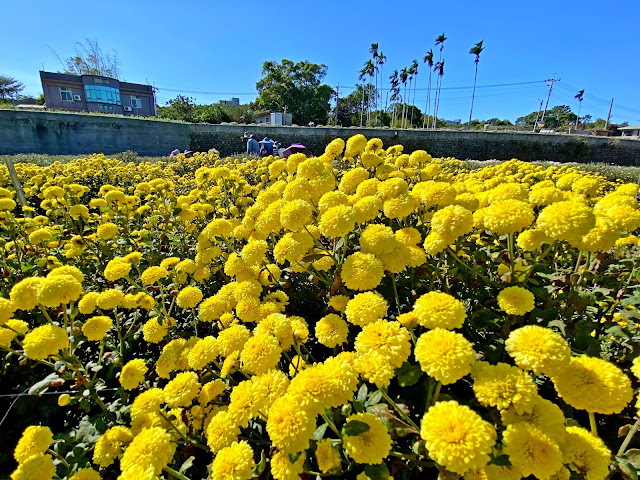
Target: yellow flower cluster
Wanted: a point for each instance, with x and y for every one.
(362, 313)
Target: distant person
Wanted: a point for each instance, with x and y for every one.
(174, 153)
(253, 148)
(266, 147)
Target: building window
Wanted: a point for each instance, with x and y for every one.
(66, 95)
(100, 94)
(136, 102)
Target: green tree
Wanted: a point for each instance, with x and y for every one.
(296, 86)
(10, 88)
(559, 116)
(179, 108)
(352, 106)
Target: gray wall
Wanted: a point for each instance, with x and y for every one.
(73, 133)
(68, 133)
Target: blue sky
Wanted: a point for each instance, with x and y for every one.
(219, 47)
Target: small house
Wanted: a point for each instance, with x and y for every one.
(630, 131)
(270, 117)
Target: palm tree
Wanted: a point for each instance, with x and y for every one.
(428, 59)
(395, 91)
(476, 50)
(440, 68)
(404, 75)
(579, 96)
(373, 50)
(414, 70)
(382, 59)
(361, 77)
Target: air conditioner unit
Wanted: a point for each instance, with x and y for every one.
(77, 98)
(128, 109)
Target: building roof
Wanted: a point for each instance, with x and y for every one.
(62, 77)
(630, 127)
(70, 78)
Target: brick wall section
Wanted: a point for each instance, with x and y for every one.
(62, 133)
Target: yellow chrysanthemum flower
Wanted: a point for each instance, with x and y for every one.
(516, 300)
(594, 385)
(538, 349)
(437, 309)
(531, 451)
(456, 437)
(370, 447)
(444, 355)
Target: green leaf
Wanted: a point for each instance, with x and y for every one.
(259, 468)
(626, 468)
(501, 460)
(294, 456)
(572, 423)
(41, 386)
(362, 393)
(633, 455)
(374, 398)
(354, 428)
(358, 406)
(409, 377)
(186, 465)
(320, 431)
(377, 472)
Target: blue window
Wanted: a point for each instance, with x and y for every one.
(100, 94)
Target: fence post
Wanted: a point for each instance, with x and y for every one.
(16, 181)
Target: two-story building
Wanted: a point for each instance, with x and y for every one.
(94, 93)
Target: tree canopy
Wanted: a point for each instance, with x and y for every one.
(89, 59)
(185, 109)
(297, 86)
(10, 88)
(558, 116)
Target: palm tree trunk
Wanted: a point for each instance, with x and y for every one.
(578, 119)
(428, 105)
(404, 97)
(362, 106)
(375, 105)
(437, 106)
(413, 104)
(473, 95)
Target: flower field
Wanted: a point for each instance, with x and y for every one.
(364, 314)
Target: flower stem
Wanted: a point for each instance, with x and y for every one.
(404, 416)
(629, 437)
(175, 473)
(395, 291)
(331, 424)
(437, 394)
(592, 421)
(59, 457)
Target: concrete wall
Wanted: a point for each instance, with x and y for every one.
(65, 133)
(71, 133)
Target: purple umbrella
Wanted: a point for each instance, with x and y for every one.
(296, 148)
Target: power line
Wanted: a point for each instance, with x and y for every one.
(205, 93)
(465, 88)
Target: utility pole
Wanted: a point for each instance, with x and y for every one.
(606, 125)
(535, 125)
(552, 80)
